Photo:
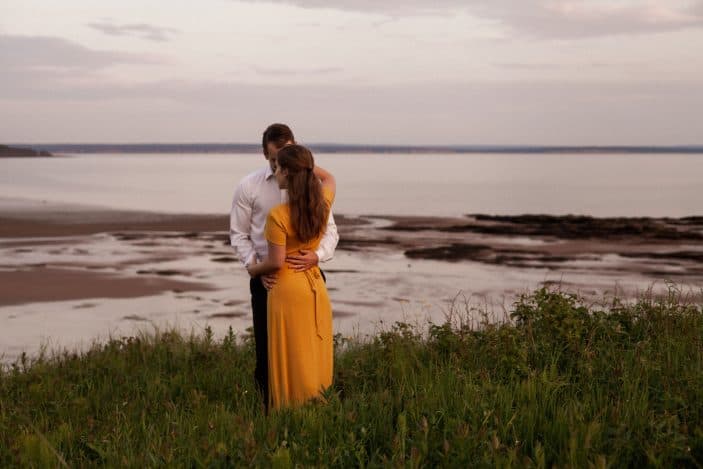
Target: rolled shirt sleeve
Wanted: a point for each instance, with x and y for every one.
(240, 224)
(328, 243)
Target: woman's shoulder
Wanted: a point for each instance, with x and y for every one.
(327, 193)
(278, 219)
(280, 211)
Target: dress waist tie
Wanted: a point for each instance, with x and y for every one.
(312, 275)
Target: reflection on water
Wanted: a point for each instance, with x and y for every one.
(399, 184)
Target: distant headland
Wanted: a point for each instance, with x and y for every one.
(11, 152)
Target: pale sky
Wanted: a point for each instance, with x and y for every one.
(578, 72)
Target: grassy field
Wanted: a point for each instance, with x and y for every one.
(562, 384)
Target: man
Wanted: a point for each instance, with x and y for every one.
(254, 197)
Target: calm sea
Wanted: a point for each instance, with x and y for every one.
(600, 184)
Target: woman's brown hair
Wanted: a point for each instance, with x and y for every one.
(308, 209)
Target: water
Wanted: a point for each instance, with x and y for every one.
(399, 184)
(367, 287)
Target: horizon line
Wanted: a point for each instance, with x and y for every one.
(355, 147)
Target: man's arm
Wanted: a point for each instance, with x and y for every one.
(240, 225)
(305, 259)
(328, 243)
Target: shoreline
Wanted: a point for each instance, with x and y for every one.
(71, 272)
(21, 218)
(519, 241)
(360, 148)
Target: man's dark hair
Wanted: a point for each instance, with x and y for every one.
(278, 134)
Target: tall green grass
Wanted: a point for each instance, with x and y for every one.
(561, 384)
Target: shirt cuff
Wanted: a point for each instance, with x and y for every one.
(320, 255)
(250, 259)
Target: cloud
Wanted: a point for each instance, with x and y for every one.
(566, 19)
(581, 19)
(408, 7)
(528, 65)
(541, 66)
(140, 30)
(525, 112)
(39, 68)
(47, 53)
(296, 71)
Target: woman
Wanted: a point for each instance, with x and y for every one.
(300, 347)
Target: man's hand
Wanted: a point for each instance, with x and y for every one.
(269, 280)
(302, 261)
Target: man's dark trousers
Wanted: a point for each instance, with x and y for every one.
(259, 297)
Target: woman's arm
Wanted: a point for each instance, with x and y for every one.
(326, 177)
(274, 261)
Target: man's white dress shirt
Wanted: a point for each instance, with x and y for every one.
(256, 194)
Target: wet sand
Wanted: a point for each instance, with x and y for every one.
(40, 283)
(84, 270)
(75, 220)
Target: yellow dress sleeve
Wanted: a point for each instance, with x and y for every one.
(274, 230)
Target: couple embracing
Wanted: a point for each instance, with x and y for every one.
(281, 227)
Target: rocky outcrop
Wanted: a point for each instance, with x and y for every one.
(6, 151)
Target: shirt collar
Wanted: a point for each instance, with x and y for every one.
(269, 172)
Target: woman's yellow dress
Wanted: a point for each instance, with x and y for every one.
(300, 347)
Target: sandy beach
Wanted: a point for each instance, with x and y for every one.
(73, 273)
